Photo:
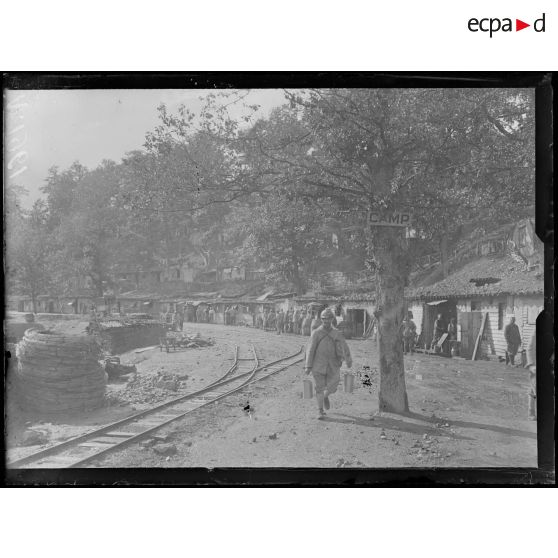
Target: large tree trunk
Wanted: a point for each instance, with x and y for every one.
(391, 273)
(392, 268)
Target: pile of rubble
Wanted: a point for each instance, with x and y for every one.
(179, 339)
(59, 373)
(152, 389)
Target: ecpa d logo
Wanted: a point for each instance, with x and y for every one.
(492, 25)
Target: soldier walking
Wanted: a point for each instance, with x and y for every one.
(326, 351)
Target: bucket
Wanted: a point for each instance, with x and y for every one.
(308, 389)
(348, 382)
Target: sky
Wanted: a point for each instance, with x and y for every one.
(55, 128)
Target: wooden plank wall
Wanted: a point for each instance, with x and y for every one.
(493, 341)
(526, 309)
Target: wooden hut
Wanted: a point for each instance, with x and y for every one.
(483, 294)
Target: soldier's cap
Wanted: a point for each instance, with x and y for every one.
(327, 313)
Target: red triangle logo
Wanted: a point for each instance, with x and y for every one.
(519, 25)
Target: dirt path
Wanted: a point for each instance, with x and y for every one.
(464, 414)
(191, 368)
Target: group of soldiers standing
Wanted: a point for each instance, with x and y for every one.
(298, 321)
(174, 319)
(410, 337)
(201, 314)
(204, 315)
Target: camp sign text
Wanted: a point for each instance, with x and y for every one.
(389, 219)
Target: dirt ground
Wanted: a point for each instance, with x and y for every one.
(463, 414)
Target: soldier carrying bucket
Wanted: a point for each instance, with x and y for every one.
(326, 351)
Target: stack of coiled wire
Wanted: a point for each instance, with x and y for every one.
(59, 373)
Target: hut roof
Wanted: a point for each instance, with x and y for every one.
(348, 297)
(138, 294)
(489, 276)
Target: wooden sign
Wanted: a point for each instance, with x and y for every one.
(389, 219)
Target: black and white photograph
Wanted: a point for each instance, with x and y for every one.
(272, 277)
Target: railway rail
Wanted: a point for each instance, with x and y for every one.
(88, 447)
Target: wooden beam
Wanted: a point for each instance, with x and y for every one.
(479, 336)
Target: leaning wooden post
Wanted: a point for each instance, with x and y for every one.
(479, 336)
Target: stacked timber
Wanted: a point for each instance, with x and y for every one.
(59, 373)
(120, 335)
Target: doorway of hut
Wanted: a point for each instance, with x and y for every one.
(447, 308)
(358, 319)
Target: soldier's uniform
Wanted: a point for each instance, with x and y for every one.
(513, 341)
(296, 316)
(326, 352)
(280, 322)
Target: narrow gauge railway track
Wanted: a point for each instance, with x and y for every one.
(90, 446)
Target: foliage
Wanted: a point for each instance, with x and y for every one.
(284, 236)
(449, 156)
(28, 253)
(60, 191)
